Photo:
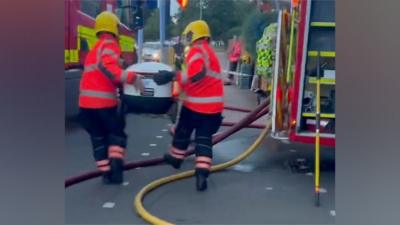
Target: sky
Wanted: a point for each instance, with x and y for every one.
(174, 7)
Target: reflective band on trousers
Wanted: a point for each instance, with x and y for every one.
(203, 165)
(203, 99)
(98, 94)
(102, 162)
(204, 159)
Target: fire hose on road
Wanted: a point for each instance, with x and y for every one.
(230, 124)
(148, 217)
(258, 112)
(257, 126)
(239, 109)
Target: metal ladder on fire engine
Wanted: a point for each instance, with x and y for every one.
(321, 46)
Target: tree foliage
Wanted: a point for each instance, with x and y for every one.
(225, 17)
(253, 28)
(152, 26)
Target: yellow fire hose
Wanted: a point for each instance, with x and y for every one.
(151, 219)
(317, 134)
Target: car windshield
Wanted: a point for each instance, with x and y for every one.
(152, 45)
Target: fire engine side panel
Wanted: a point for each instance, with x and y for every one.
(299, 79)
(84, 21)
(303, 60)
(66, 31)
(73, 71)
(299, 61)
(311, 140)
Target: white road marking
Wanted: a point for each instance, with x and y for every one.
(301, 160)
(302, 167)
(269, 188)
(286, 141)
(322, 190)
(292, 150)
(159, 136)
(333, 212)
(126, 183)
(164, 130)
(109, 205)
(145, 154)
(309, 174)
(243, 168)
(153, 145)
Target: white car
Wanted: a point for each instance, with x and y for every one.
(155, 99)
(151, 51)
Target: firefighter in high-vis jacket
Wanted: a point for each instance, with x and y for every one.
(98, 99)
(202, 101)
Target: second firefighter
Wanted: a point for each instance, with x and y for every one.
(203, 91)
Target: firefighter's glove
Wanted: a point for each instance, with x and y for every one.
(138, 84)
(163, 77)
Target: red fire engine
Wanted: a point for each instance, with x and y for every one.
(311, 60)
(79, 38)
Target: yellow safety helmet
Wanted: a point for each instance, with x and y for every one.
(246, 58)
(195, 30)
(107, 22)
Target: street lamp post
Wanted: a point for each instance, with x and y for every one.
(201, 9)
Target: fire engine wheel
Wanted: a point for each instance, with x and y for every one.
(142, 212)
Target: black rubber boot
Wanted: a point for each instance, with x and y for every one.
(174, 162)
(117, 169)
(201, 179)
(106, 178)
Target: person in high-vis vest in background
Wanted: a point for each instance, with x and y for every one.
(98, 99)
(234, 52)
(202, 100)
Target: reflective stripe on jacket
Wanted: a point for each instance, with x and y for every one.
(102, 75)
(202, 82)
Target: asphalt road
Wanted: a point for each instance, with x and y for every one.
(272, 186)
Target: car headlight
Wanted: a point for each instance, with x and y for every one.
(156, 55)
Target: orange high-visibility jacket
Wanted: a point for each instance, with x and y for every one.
(202, 82)
(102, 74)
(235, 52)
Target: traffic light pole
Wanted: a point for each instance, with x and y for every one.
(201, 9)
(140, 45)
(163, 56)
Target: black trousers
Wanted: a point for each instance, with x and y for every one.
(232, 67)
(105, 127)
(204, 125)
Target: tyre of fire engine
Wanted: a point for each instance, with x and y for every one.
(71, 85)
(156, 99)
